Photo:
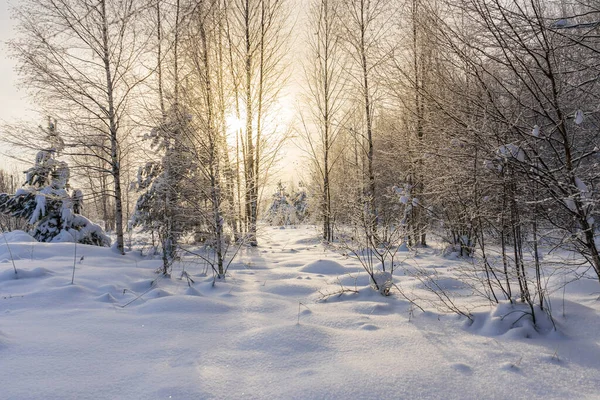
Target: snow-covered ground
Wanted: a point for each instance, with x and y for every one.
(266, 333)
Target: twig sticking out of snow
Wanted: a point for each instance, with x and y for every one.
(74, 259)
(152, 286)
(12, 259)
(305, 306)
(187, 276)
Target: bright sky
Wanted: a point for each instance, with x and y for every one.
(14, 106)
(12, 103)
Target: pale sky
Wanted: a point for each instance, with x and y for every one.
(12, 103)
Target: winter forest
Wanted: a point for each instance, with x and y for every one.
(291, 194)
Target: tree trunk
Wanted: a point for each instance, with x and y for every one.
(251, 190)
(372, 221)
(114, 143)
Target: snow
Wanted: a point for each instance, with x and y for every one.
(512, 151)
(40, 205)
(280, 326)
(16, 237)
(582, 187)
(570, 204)
(326, 267)
(578, 117)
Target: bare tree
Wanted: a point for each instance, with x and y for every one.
(366, 25)
(80, 59)
(205, 26)
(542, 86)
(258, 70)
(325, 81)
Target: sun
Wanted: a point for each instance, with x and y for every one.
(274, 126)
(234, 123)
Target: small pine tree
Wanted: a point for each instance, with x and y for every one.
(45, 203)
(165, 184)
(281, 212)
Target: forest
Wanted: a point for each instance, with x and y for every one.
(302, 199)
(471, 124)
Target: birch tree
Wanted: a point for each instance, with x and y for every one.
(258, 38)
(366, 25)
(325, 81)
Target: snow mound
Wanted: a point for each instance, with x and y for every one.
(72, 295)
(106, 298)
(192, 291)
(383, 282)
(184, 305)
(375, 307)
(353, 280)
(511, 321)
(285, 340)
(17, 237)
(464, 368)
(24, 274)
(369, 327)
(293, 288)
(325, 267)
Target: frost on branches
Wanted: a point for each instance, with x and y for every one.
(45, 203)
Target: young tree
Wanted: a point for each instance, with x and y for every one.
(280, 212)
(45, 203)
(163, 206)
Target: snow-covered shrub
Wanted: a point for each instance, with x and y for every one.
(46, 204)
